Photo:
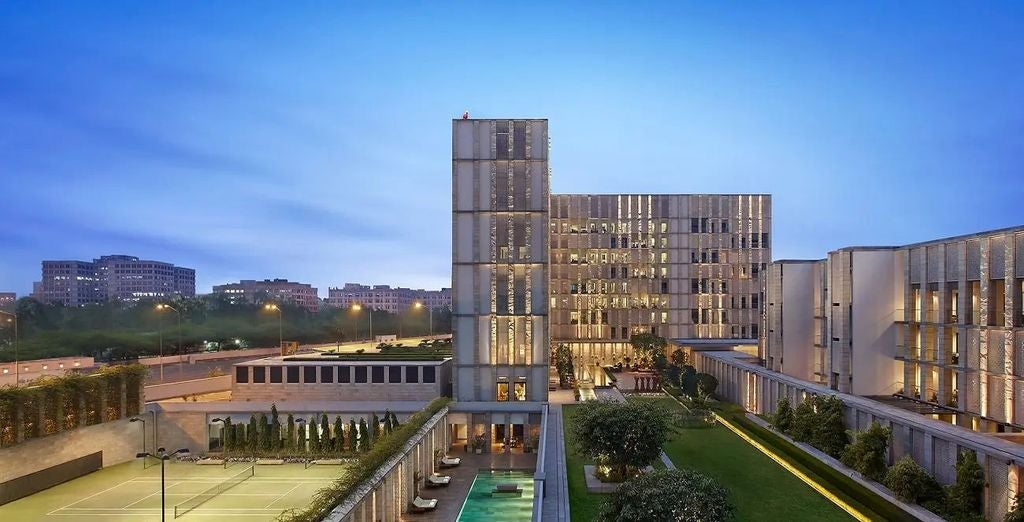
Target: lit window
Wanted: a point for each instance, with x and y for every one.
(520, 391)
(502, 394)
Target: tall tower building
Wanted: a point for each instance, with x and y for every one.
(500, 271)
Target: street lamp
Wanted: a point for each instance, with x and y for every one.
(181, 370)
(143, 421)
(222, 435)
(430, 312)
(280, 323)
(162, 455)
(369, 312)
(13, 318)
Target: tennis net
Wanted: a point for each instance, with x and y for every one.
(221, 487)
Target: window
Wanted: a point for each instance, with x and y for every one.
(275, 375)
(664, 287)
(242, 374)
(694, 225)
(327, 374)
(625, 332)
(520, 391)
(293, 374)
(377, 374)
(394, 374)
(259, 374)
(502, 394)
(412, 374)
(309, 374)
(360, 374)
(344, 374)
(429, 374)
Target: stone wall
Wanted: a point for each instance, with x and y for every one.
(182, 429)
(119, 441)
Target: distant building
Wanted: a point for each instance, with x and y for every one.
(252, 291)
(383, 297)
(126, 278)
(7, 299)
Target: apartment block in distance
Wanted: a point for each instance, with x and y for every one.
(939, 322)
(126, 278)
(384, 297)
(500, 199)
(7, 299)
(254, 292)
(687, 267)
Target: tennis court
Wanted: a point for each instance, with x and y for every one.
(129, 492)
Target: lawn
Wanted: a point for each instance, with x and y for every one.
(583, 505)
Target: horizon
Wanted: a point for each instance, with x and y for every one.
(314, 145)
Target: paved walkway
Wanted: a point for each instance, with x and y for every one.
(556, 499)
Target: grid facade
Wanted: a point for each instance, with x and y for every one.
(126, 278)
(252, 291)
(386, 298)
(500, 201)
(681, 266)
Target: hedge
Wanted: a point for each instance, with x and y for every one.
(332, 495)
(54, 404)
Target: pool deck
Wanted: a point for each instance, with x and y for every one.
(450, 499)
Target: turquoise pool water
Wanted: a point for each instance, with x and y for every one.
(480, 506)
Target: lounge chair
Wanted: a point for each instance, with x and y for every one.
(438, 481)
(422, 505)
(450, 462)
(507, 489)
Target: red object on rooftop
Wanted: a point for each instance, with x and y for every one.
(465, 115)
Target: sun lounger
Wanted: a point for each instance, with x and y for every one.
(438, 481)
(421, 505)
(450, 462)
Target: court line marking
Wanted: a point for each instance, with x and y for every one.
(281, 496)
(90, 496)
(157, 492)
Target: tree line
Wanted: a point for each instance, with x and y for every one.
(266, 435)
(118, 330)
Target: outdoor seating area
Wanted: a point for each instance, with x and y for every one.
(422, 505)
(448, 461)
(435, 480)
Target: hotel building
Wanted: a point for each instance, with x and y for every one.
(939, 322)
(686, 267)
(500, 275)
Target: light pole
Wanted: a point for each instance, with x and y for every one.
(280, 323)
(143, 421)
(369, 312)
(181, 348)
(13, 318)
(430, 312)
(162, 455)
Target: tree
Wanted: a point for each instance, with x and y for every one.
(229, 435)
(829, 434)
(275, 428)
(679, 357)
(668, 496)
(289, 437)
(364, 435)
(314, 435)
(263, 430)
(911, 483)
(867, 452)
(252, 441)
(966, 494)
(387, 422)
(803, 421)
(706, 384)
(325, 433)
(646, 347)
(352, 434)
(1016, 513)
(300, 438)
(783, 418)
(688, 380)
(623, 436)
(563, 364)
(339, 434)
(374, 427)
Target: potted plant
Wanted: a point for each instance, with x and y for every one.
(530, 443)
(479, 443)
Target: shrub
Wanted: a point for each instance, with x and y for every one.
(803, 422)
(688, 380)
(829, 433)
(1016, 514)
(668, 496)
(867, 452)
(965, 495)
(782, 421)
(911, 483)
(707, 384)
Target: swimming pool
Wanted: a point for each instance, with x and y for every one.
(481, 506)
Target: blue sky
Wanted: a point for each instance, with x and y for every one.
(312, 142)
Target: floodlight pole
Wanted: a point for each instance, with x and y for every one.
(162, 454)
